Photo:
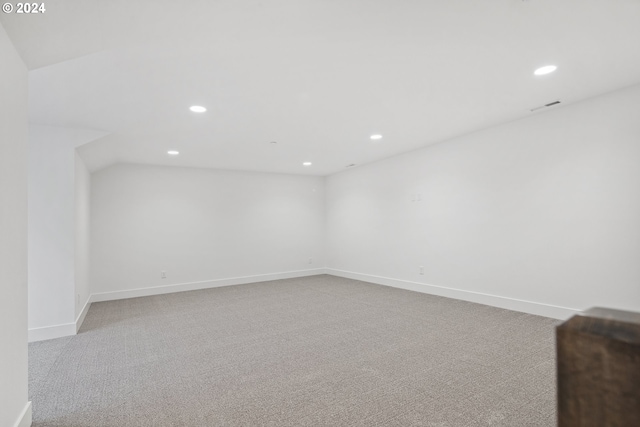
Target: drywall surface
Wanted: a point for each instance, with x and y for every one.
(544, 209)
(82, 233)
(52, 229)
(200, 225)
(14, 407)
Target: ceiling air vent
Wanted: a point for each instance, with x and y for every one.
(551, 104)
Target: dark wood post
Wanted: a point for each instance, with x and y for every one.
(598, 361)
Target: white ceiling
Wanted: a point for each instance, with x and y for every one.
(317, 76)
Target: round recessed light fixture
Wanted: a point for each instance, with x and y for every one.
(306, 164)
(376, 136)
(173, 152)
(545, 70)
(197, 109)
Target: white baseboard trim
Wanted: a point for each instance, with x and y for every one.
(539, 309)
(83, 314)
(51, 332)
(59, 331)
(24, 420)
(193, 286)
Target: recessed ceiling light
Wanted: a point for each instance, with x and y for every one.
(197, 109)
(545, 70)
(173, 152)
(376, 136)
(306, 164)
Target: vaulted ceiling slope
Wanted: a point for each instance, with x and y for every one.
(318, 77)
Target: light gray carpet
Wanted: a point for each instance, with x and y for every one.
(316, 351)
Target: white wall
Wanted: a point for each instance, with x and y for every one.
(200, 225)
(15, 410)
(82, 234)
(52, 229)
(544, 210)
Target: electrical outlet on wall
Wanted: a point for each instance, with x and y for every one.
(310, 260)
(421, 270)
(163, 274)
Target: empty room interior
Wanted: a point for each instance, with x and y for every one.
(310, 213)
